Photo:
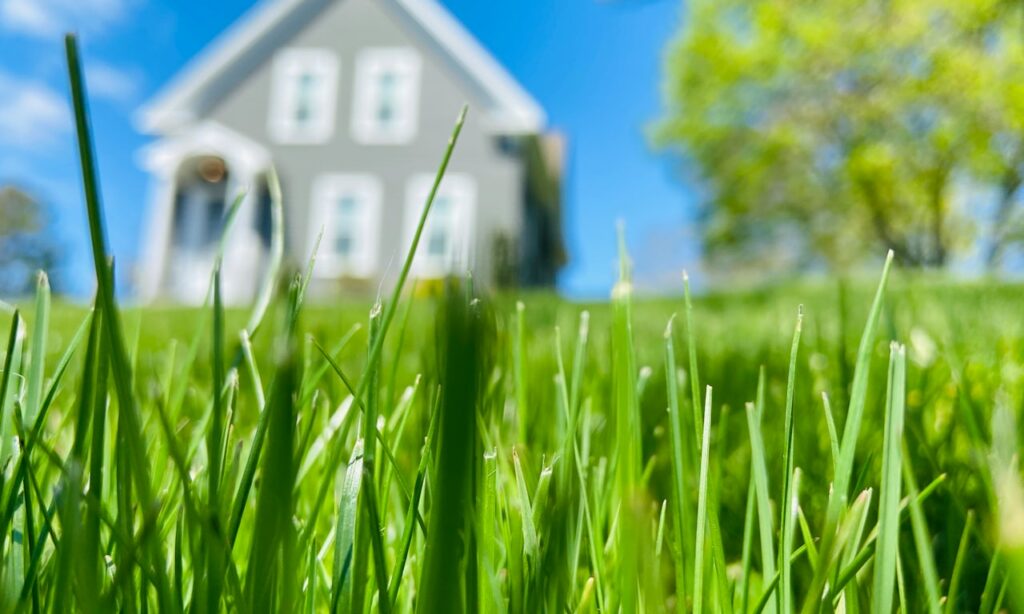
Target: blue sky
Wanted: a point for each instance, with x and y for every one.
(595, 65)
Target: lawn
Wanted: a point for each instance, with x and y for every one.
(963, 353)
(808, 447)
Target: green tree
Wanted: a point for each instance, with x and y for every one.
(26, 244)
(826, 130)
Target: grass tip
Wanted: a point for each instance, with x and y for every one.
(668, 327)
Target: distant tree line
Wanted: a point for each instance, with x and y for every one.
(27, 243)
(830, 130)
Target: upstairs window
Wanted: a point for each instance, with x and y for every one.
(385, 109)
(347, 208)
(446, 243)
(304, 95)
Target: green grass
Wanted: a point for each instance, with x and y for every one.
(463, 453)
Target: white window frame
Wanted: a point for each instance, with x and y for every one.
(461, 191)
(289, 63)
(404, 61)
(327, 191)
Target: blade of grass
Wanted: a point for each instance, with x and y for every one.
(680, 509)
(833, 436)
(888, 510)
(714, 530)
(389, 312)
(463, 350)
(37, 360)
(838, 497)
(868, 550)
(766, 531)
(791, 508)
(269, 576)
(785, 591)
(120, 366)
(702, 508)
(520, 372)
(411, 515)
(922, 540)
(270, 276)
(345, 531)
(628, 441)
(958, 564)
(215, 555)
(858, 399)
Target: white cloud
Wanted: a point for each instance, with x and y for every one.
(111, 82)
(32, 115)
(50, 18)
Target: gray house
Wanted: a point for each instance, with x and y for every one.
(351, 102)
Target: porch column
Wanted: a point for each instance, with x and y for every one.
(151, 271)
(243, 254)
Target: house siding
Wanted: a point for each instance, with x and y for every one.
(347, 27)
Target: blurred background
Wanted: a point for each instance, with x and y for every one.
(745, 140)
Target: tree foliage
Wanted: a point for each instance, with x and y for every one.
(826, 130)
(26, 245)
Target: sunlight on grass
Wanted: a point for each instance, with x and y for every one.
(460, 453)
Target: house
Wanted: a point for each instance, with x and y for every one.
(351, 102)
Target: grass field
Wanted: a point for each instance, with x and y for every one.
(463, 453)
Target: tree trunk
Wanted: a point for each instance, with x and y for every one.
(997, 240)
(937, 253)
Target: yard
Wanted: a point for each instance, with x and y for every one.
(547, 518)
(827, 445)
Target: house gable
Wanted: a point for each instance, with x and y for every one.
(220, 68)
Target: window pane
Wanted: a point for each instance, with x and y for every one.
(386, 92)
(346, 206)
(347, 213)
(302, 95)
(386, 99)
(442, 207)
(343, 244)
(437, 246)
(304, 98)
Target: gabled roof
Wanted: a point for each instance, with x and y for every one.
(509, 109)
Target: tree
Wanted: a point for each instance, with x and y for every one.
(827, 130)
(26, 246)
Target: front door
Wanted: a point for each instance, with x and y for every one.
(199, 209)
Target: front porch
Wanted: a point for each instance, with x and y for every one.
(198, 174)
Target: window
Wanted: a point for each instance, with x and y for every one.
(347, 208)
(304, 96)
(445, 245)
(385, 108)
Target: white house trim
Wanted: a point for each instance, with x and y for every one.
(405, 64)
(458, 191)
(515, 110)
(363, 232)
(210, 138)
(510, 108)
(175, 104)
(289, 63)
(245, 160)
